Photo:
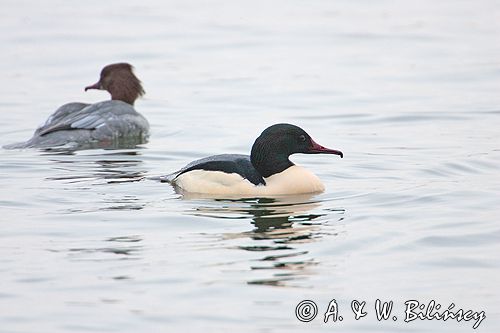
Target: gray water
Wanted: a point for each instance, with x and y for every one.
(408, 90)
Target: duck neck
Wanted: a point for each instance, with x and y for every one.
(118, 96)
(267, 162)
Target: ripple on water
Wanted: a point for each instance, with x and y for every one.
(282, 227)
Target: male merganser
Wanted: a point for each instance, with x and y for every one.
(112, 123)
(267, 171)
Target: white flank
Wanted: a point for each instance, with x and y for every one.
(294, 180)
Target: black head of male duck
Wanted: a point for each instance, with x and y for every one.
(272, 149)
(120, 81)
(267, 171)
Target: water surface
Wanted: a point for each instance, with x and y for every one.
(409, 91)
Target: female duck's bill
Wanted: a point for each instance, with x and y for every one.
(109, 124)
(267, 171)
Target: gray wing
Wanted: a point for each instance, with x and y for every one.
(84, 116)
(59, 117)
(81, 126)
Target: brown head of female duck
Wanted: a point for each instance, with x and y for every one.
(120, 81)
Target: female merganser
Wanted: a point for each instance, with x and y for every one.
(113, 123)
(267, 171)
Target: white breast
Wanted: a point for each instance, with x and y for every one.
(294, 180)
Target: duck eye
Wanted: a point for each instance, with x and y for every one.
(302, 138)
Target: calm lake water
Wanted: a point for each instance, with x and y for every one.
(408, 90)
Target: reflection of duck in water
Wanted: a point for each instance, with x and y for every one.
(116, 167)
(280, 228)
(267, 171)
(273, 218)
(266, 207)
(114, 123)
